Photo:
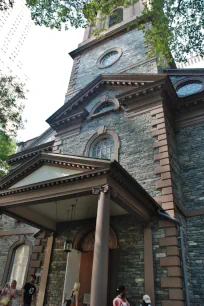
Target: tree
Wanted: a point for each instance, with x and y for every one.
(12, 94)
(7, 147)
(176, 25)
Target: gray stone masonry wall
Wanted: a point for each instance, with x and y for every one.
(195, 238)
(6, 224)
(190, 144)
(159, 272)
(136, 152)
(131, 258)
(134, 51)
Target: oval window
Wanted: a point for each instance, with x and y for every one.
(109, 58)
(189, 88)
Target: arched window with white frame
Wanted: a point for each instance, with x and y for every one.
(17, 263)
(103, 148)
(18, 267)
(103, 144)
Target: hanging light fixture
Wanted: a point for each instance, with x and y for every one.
(67, 246)
(68, 243)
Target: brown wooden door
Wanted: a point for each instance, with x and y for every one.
(85, 273)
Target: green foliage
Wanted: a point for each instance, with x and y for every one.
(11, 107)
(176, 25)
(7, 147)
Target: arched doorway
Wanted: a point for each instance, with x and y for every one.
(84, 242)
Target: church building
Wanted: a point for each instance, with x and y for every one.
(113, 192)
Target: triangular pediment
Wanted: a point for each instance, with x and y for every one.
(45, 173)
(75, 109)
(48, 166)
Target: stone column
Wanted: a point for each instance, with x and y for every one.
(99, 281)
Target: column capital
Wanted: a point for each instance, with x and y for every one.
(105, 189)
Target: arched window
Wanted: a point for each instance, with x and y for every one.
(102, 148)
(106, 106)
(115, 17)
(18, 266)
(17, 263)
(104, 144)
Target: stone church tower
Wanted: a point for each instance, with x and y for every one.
(112, 193)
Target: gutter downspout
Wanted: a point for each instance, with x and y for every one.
(185, 277)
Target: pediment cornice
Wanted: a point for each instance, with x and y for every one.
(127, 81)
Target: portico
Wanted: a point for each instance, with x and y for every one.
(98, 188)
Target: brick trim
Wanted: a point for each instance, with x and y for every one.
(165, 197)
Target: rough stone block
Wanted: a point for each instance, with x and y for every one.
(171, 232)
(168, 241)
(157, 111)
(167, 190)
(166, 223)
(35, 264)
(174, 271)
(168, 205)
(164, 198)
(172, 251)
(166, 175)
(163, 169)
(164, 162)
(161, 156)
(162, 137)
(163, 149)
(34, 256)
(37, 249)
(171, 282)
(37, 242)
(161, 143)
(170, 261)
(176, 294)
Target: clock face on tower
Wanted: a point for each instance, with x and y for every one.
(109, 57)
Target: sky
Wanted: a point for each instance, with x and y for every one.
(48, 66)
